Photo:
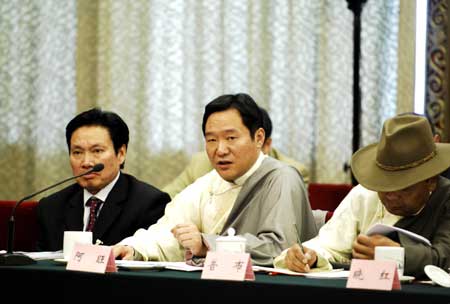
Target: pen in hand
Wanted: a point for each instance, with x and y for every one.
(306, 255)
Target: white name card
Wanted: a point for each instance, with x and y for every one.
(92, 258)
(228, 266)
(371, 274)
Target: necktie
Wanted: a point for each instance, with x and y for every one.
(94, 204)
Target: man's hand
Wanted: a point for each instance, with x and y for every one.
(190, 238)
(299, 261)
(364, 246)
(123, 252)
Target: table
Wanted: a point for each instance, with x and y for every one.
(47, 281)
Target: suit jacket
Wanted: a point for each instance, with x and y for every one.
(131, 204)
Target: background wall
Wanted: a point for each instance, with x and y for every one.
(157, 63)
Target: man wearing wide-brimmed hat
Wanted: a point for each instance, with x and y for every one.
(399, 185)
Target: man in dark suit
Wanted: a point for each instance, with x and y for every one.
(110, 203)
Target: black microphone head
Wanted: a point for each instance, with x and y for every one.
(98, 168)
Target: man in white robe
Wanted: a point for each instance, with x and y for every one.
(260, 197)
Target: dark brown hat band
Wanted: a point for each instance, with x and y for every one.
(407, 166)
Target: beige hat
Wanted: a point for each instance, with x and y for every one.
(405, 155)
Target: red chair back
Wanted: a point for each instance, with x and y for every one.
(26, 226)
(327, 196)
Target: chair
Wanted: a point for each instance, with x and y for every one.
(324, 198)
(26, 226)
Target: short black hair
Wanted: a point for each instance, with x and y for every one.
(267, 122)
(117, 128)
(250, 112)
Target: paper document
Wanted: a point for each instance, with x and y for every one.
(330, 274)
(181, 266)
(40, 255)
(385, 229)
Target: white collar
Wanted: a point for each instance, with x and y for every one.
(103, 193)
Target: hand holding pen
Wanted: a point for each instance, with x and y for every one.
(298, 257)
(307, 255)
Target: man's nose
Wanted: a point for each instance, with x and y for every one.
(222, 147)
(88, 160)
(392, 195)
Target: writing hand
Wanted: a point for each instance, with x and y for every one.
(298, 260)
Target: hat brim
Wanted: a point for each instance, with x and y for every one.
(372, 177)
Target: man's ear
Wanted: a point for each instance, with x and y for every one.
(122, 153)
(260, 136)
(432, 183)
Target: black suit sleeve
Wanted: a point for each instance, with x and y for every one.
(154, 209)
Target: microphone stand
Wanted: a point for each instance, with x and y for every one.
(16, 258)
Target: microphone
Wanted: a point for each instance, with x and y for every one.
(10, 258)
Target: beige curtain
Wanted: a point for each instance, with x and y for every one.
(157, 63)
(37, 93)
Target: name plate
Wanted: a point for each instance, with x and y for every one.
(371, 274)
(92, 258)
(228, 266)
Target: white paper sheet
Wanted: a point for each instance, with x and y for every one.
(136, 265)
(41, 255)
(385, 229)
(332, 274)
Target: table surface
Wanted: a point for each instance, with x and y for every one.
(50, 280)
